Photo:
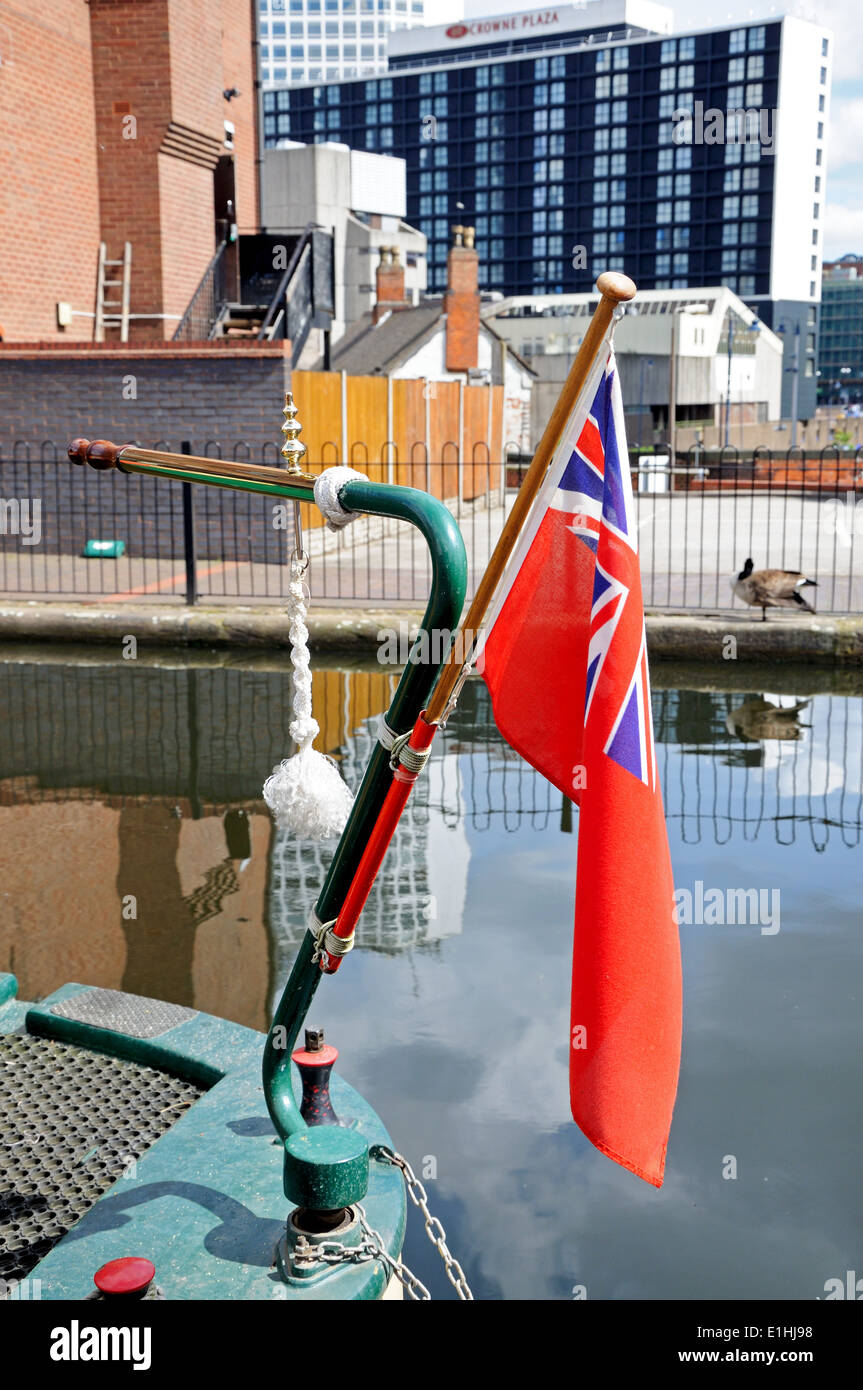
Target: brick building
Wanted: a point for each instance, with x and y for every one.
(117, 129)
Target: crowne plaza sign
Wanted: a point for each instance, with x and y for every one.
(504, 25)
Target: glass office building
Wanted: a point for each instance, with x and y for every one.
(324, 40)
(686, 160)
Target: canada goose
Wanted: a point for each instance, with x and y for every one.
(771, 589)
(758, 719)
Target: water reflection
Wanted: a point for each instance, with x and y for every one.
(138, 853)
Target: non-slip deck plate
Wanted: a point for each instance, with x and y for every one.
(74, 1122)
(131, 1014)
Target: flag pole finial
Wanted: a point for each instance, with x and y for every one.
(616, 287)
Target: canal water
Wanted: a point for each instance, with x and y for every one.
(136, 853)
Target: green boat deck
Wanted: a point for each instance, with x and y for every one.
(94, 1074)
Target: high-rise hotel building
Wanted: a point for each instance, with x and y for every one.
(325, 40)
(590, 136)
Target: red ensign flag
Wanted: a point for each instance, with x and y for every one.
(566, 664)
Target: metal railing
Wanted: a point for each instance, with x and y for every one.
(698, 521)
(199, 320)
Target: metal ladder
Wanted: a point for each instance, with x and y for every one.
(106, 309)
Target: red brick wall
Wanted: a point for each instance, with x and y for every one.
(50, 233)
(238, 71)
(461, 305)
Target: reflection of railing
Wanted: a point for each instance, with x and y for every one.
(202, 740)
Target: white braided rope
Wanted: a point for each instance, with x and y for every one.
(305, 793)
(328, 485)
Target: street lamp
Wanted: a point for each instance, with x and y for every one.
(672, 374)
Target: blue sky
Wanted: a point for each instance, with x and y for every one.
(843, 227)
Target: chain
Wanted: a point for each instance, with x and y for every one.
(372, 1246)
(434, 1229)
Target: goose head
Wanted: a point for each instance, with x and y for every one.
(747, 569)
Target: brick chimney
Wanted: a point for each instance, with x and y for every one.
(461, 302)
(389, 284)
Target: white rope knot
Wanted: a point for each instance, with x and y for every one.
(325, 938)
(328, 485)
(305, 793)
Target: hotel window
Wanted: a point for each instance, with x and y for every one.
(616, 215)
(426, 207)
(820, 132)
(732, 181)
(686, 75)
(755, 66)
(681, 263)
(600, 139)
(730, 208)
(664, 159)
(269, 125)
(440, 81)
(813, 263)
(748, 233)
(367, 50)
(682, 185)
(481, 101)
(686, 49)
(603, 87)
(600, 166)
(682, 212)
(755, 94)
(555, 169)
(386, 137)
(667, 105)
(737, 41)
(756, 37)
(733, 154)
(600, 216)
(815, 237)
(749, 205)
(540, 171)
(748, 258)
(425, 179)
(425, 83)
(664, 186)
(540, 69)
(751, 177)
(557, 93)
(752, 152)
(681, 236)
(555, 195)
(540, 120)
(556, 144)
(663, 265)
(600, 243)
(618, 138)
(668, 51)
(668, 79)
(821, 102)
(538, 246)
(823, 76)
(539, 221)
(663, 212)
(735, 100)
(600, 192)
(555, 220)
(729, 262)
(334, 120)
(601, 113)
(621, 58)
(747, 284)
(540, 94)
(620, 85)
(663, 237)
(817, 157)
(815, 207)
(603, 60)
(730, 234)
(618, 164)
(557, 118)
(440, 178)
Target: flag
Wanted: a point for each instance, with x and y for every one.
(565, 660)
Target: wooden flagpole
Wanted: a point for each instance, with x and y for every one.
(614, 289)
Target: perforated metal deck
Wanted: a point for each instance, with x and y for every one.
(74, 1121)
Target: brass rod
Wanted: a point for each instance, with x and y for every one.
(614, 289)
(240, 472)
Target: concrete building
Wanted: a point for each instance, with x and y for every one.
(360, 198)
(307, 40)
(840, 348)
(547, 332)
(589, 137)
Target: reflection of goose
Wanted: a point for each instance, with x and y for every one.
(772, 589)
(757, 719)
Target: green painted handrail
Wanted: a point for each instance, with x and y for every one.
(449, 585)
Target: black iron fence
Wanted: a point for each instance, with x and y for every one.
(70, 532)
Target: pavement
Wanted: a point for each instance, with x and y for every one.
(679, 637)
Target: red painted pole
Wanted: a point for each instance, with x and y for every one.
(421, 738)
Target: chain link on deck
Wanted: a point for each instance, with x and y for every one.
(372, 1246)
(433, 1228)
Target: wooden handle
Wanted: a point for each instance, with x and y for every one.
(100, 453)
(614, 289)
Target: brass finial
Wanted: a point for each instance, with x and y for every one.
(293, 449)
